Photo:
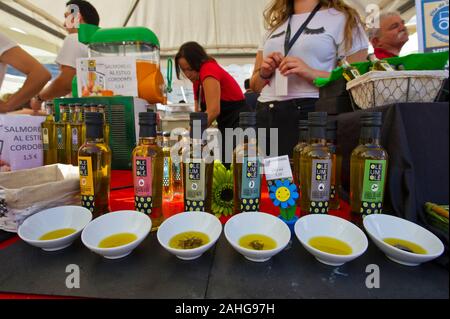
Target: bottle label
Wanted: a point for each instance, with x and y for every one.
(61, 138)
(75, 139)
(250, 185)
(333, 178)
(176, 167)
(45, 139)
(86, 182)
(195, 186)
(143, 178)
(166, 172)
(373, 187)
(320, 186)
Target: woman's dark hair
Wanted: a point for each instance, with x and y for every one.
(194, 54)
(87, 11)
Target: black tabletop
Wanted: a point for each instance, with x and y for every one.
(151, 272)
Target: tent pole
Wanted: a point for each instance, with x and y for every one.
(130, 13)
(29, 6)
(30, 20)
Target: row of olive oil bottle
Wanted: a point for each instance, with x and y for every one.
(62, 139)
(317, 164)
(316, 167)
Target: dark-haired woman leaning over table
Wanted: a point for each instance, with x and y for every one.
(303, 42)
(216, 92)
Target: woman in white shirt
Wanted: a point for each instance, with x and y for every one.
(304, 41)
(37, 75)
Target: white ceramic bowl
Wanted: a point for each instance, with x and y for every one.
(48, 220)
(189, 221)
(381, 226)
(311, 226)
(257, 223)
(126, 221)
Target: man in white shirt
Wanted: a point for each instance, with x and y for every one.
(37, 75)
(78, 11)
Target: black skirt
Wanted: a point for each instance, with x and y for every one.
(284, 116)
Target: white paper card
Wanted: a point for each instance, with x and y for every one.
(281, 84)
(20, 142)
(277, 168)
(118, 74)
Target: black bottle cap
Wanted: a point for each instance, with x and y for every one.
(303, 125)
(94, 124)
(317, 119)
(193, 120)
(93, 118)
(331, 129)
(372, 119)
(147, 118)
(166, 134)
(247, 119)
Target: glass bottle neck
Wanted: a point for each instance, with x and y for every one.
(370, 135)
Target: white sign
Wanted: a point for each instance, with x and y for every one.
(20, 142)
(277, 168)
(104, 76)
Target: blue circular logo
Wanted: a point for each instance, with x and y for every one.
(440, 21)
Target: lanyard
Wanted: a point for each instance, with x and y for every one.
(288, 44)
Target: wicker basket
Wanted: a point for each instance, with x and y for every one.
(26, 192)
(378, 88)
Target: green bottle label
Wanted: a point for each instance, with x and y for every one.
(373, 187)
(250, 185)
(61, 138)
(195, 186)
(45, 139)
(166, 172)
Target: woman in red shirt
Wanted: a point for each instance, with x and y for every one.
(216, 92)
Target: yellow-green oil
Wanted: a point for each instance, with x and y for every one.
(117, 240)
(189, 240)
(257, 242)
(58, 233)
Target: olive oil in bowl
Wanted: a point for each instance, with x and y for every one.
(117, 240)
(189, 240)
(257, 242)
(405, 246)
(331, 245)
(57, 234)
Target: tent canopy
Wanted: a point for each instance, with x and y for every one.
(224, 27)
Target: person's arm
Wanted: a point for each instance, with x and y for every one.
(211, 89)
(264, 69)
(294, 65)
(37, 77)
(61, 86)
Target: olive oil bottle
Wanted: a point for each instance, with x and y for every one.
(148, 166)
(349, 72)
(167, 173)
(94, 161)
(368, 168)
(198, 171)
(336, 164)
(246, 167)
(302, 143)
(315, 167)
(49, 135)
(106, 127)
(76, 132)
(62, 135)
(379, 65)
